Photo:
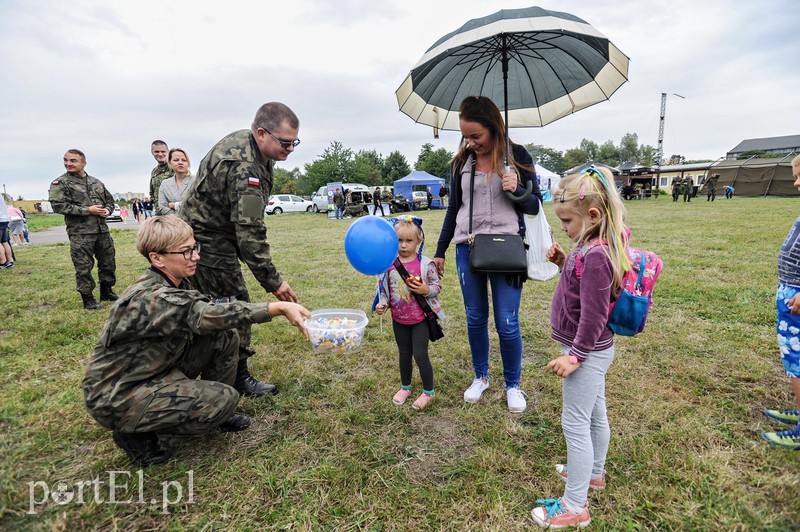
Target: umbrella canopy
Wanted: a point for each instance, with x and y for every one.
(555, 64)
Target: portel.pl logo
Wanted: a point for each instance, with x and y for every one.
(120, 487)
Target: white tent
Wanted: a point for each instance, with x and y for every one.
(547, 181)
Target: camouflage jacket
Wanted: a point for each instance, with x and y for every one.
(147, 332)
(711, 184)
(72, 195)
(159, 174)
(225, 207)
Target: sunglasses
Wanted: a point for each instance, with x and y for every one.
(284, 143)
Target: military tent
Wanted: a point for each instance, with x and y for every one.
(757, 177)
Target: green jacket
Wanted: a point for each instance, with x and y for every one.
(225, 207)
(159, 174)
(146, 333)
(72, 195)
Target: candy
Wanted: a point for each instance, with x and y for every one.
(332, 332)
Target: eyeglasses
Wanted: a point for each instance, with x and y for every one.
(284, 143)
(187, 253)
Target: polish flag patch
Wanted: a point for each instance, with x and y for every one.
(54, 182)
(253, 181)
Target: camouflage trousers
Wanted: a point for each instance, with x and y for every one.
(218, 283)
(83, 249)
(176, 402)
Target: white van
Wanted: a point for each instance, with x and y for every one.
(359, 194)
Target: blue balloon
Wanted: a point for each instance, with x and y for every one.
(371, 245)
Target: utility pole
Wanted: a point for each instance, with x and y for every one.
(661, 135)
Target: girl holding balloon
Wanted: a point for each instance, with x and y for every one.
(412, 275)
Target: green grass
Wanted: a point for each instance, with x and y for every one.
(38, 222)
(332, 452)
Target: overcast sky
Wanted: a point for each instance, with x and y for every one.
(108, 77)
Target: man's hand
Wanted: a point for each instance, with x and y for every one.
(97, 210)
(285, 293)
(296, 314)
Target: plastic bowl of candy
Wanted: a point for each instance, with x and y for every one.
(336, 330)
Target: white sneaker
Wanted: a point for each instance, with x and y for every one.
(516, 400)
(475, 390)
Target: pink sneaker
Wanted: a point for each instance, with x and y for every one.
(595, 483)
(553, 514)
(422, 401)
(401, 396)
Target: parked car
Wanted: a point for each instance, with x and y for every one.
(419, 198)
(115, 216)
(281, 203)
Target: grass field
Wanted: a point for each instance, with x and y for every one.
(332, 452)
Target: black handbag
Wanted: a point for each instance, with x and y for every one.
(503, 254)
(434, 327)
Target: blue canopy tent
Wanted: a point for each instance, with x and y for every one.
(419, 180)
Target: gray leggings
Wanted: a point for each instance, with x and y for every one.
(585, 425)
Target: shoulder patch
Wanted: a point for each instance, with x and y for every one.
(254, 181)
(55, 182)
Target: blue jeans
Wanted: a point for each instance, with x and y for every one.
(339, 213)
(505, 302)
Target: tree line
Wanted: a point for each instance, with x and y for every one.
(340, 164)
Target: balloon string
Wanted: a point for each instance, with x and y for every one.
(381, 322)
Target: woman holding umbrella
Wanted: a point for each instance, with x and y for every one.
(493, 212)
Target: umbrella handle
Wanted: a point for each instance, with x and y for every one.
(525, 195)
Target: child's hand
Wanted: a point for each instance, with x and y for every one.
(556, 255)
(417, 285)
(561, 366)
(794, 304)
(381, 308)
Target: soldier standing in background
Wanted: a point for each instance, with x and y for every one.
(711, 187)
(225, 208)
(688, 188)
(85, 203)
(141, 381)
(676, 188)
(162, 170)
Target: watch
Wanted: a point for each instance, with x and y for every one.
(573, 359)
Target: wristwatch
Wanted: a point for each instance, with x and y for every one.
(573, 359)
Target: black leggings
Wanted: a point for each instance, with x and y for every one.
(413, 340)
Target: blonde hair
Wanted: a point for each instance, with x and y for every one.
(796, 161)
(409, 228)
(159, 233)
(595, 188)
(188, 162)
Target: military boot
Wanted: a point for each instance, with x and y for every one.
(237, 423)
(90, 303)
(141, 447)
(107, 293)
(247, 385)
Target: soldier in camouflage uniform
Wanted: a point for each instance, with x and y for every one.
(141, 380)
(225, 207)
(711, 187)
(85, 203)
(688, 189)
(161, 172)
(677, 183)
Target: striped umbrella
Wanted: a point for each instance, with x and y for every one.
(536, 65)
